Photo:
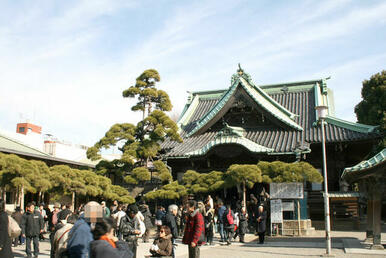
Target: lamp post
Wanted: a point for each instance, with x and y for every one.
(322, 113)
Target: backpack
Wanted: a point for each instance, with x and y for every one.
(124, 227)
(230, 217)
(61, 247)
(14, 229)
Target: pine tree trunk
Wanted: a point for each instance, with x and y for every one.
(16, 202)
(244, 196)
(149, 109)
(73, 201)
(22, 198)
(144, 109)
(4, 194)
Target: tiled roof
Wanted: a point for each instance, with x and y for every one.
(377, 160)
(298, 98)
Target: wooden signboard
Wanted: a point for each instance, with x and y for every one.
(288, 206)
(276, 211)
(286, 190)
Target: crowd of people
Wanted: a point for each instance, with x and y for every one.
(95, 230)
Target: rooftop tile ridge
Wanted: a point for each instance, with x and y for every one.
(365, 164)
(230, 139)
(358, 127)
(287, 116)
(293, 83)
(270, 99)
(213, 111)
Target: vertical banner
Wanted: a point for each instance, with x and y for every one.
(276, 211)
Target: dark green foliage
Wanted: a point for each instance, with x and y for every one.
(147, 94)
(117, 133)
(139, 174)
(36, 177)
(170, 191)
(281, 172)
(237, 174)
(203, 182)
(213, 181)
(190, 178)
(162, 171)
(87, 183)
(18, 173)
(372, 109)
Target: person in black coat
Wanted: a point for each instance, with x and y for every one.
(170, 220)
(243, 224)
(261, 223)
(209, 220)
(17, 215)
(31, 226)
(144, 208)
(106, 244)
(129, 228)
(5, 240)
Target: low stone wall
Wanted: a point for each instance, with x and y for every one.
(291, 227)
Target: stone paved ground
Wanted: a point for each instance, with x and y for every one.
(274, 247)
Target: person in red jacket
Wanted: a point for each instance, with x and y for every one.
(194, 230)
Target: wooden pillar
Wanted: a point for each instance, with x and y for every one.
(369, 226)
(377, 208)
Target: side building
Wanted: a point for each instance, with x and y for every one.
(248, 123)
(12, 144)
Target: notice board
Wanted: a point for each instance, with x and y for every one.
(286, 190)
(276, 211)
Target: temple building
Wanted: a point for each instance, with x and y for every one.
(371, 177)
(247, 123)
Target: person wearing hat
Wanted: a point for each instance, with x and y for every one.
(129, 228)
(80, 235)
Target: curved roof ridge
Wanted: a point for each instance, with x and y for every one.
(218, 106)
(376, 160)
(287, 117)
(248, 144)
(261, 98)
(357, 127)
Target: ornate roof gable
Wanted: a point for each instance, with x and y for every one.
(230, 135)
(257, 94)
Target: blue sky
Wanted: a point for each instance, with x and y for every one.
(64, 64)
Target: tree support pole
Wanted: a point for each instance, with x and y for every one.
(299, 230)
(73, 201)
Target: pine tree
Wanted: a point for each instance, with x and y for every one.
(245, 175)
(140, 143)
